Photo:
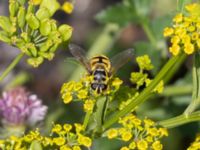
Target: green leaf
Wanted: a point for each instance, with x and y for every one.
(129, 11)
(35, 145)
(119, 13)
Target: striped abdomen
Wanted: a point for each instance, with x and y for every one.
(100, 66)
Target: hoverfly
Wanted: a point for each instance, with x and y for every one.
(100, 67)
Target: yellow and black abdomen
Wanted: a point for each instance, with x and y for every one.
(100, 67)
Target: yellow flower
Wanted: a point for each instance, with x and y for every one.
(36, 2)
(159, 88)
(56, 128)
(132, 145)
(142, 145)
(124, 148)
(86, 141)
(47, 141)
(163, 132)
(78, 127)
(76, 148)
(148, 122)
(65, 147)
(189, 48)
(175, 39)
(149, 139)
(117, 82)
(88, 105)
(126, 136)
(157, 145)
(175, 49)
(68, 7)
(178, 18)
(168, 31)
(78, 86)
(67, 97)
(195, 36)
(153, 131)
(144, 62)
(59, 141)
(67, 127)
(112, 133)
(82, 94)
(198, 42)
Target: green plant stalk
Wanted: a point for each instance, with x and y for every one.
(86, 119)
(146, 93)
(180, 120)
(11, 66)
(100, 46)
(177, 90)
(196, 85)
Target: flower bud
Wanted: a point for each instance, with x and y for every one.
(32, 21)
(46, 45)
(35, 62)
(22, 2)
(65, 31)
(48, 56)
(21, 17)
(53, 48)
(5, 23)
(25, 36)
(53, 25)
(13, 7)
(4, 37)
(45, 27)
(31, 8)
(33, 50)
(52, 6)
(43, 13)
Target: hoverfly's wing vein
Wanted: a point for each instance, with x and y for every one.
(79, 54)
(120, 59)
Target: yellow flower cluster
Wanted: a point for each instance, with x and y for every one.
(184, 33)
(62, 137)
(82, 91)
(138, 134)
(140, 78)
(195, 145)
(68, 7)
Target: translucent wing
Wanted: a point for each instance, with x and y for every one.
(120, 59)
(79, 54)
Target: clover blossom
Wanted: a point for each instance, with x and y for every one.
(139, 134)
(19, 108)
(184, 33)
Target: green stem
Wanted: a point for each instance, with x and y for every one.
(148, 32)
(180, 120)
(100, 46)
(177, 90)
(11, 66)
(146, 93)
(86, 120)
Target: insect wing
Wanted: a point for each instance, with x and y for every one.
(79, 54)
(120, 59)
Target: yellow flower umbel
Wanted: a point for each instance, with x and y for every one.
(147, 137)
(184, 33)
(63, 137)
(81, 91)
